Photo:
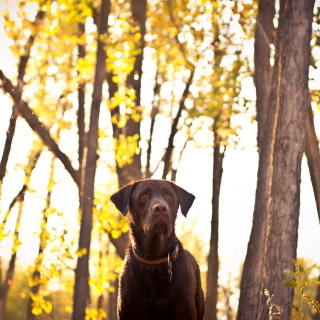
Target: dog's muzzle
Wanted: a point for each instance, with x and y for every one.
(159, 220)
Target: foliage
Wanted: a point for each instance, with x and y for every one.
(301, 281)
(274, 309)
(197, 39)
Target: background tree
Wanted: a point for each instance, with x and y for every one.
(252, 282)
(291, 67)
(252, 270)
(126, 102)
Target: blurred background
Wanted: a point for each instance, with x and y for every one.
(96, 94)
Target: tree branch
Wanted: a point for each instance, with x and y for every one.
(7, 145)
(174, 128)
(24, 110)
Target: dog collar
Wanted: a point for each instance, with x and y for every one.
(171, 257)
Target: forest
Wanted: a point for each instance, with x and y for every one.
(220, 96)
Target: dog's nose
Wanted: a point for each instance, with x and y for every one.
(160, 208)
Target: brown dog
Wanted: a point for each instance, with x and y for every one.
(159, 280)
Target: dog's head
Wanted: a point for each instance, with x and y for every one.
(153, 204)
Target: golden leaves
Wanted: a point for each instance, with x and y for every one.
(39, 304)
(125, 148)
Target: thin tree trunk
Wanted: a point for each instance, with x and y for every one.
(36, 276)
(213, 258)
(313, 156)
(175, 171)
(262, 74)
(81, 101)
(112, 301)
(16, 92)
(252, 276)
(154, 112)
(290, 96)
(174, 129)
(8, 143)
(81, 287)
(4, 288)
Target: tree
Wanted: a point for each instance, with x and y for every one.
(255, 270)
(250, 287)
(280, 161)
(288, 138)
(19, 198)
(81, 288)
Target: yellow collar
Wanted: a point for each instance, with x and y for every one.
(171, 257)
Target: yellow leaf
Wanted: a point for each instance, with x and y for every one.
(69, 309)
(46, 306)
(36, 310)
(115, 234)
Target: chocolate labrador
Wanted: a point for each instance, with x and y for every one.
(159, 280)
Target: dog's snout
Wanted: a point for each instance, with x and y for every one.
(160, 208)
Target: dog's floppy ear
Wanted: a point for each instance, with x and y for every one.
(122, 197)
(185, 199)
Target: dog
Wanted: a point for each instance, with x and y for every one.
(159, 279)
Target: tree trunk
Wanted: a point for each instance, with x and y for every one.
(112, 301)
(154, 112)
(290, 97)
(36, 276)
(7, 146)
(4, 287)
(262, 74)
(313, 156)
(10, 272)
(81, 287)
(16, 92)
(213, 259)
(251, 281)
(81, 101)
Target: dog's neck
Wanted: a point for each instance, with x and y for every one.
(154, 246)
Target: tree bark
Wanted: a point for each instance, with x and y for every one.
(7, 145)
(313, 156)
(112, 301)
(81, 101)
(290, 97)
(213, 258)
(4, 288)
(262, 73)
(252, 275)
(81, 287)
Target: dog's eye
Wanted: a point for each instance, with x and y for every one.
(168, 196)
(144, 196)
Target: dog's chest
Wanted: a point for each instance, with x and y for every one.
(156, 280)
